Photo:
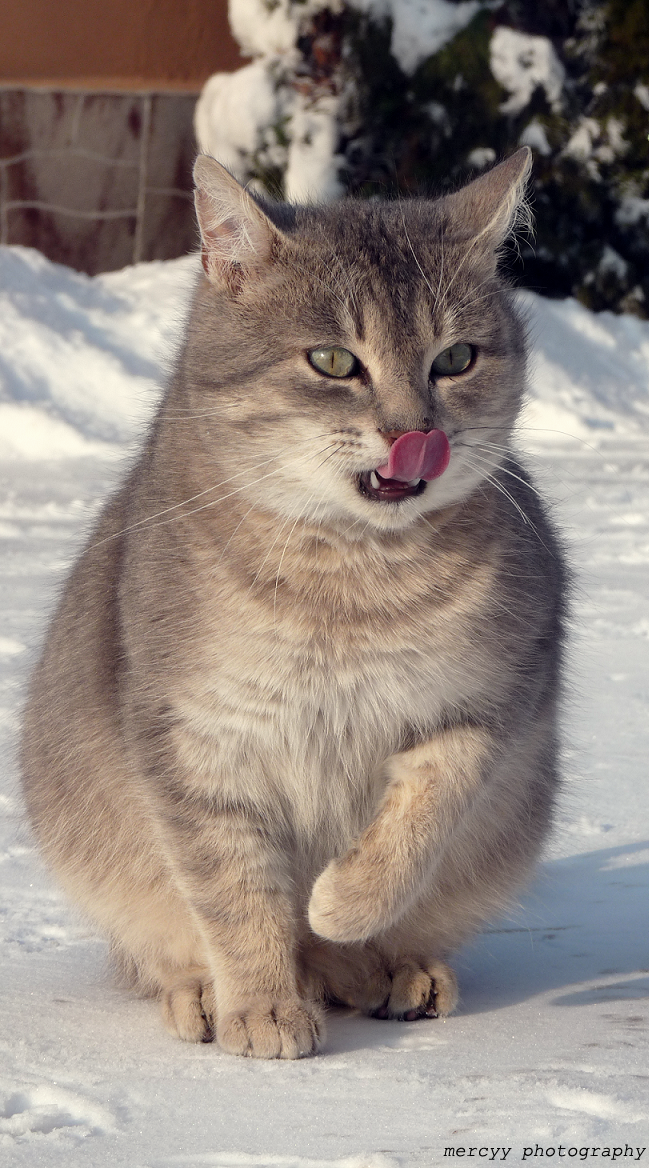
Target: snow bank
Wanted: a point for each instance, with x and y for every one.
(82, 360)
(589, 372)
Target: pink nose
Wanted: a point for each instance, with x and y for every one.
(416, 455)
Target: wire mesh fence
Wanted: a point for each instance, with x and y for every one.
(97, 179)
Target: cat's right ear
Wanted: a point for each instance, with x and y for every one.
(237, 237)
(485, 211)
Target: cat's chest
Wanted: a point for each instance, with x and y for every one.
(302, 704)
(318, 667)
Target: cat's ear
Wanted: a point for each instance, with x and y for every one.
(491, 206)
(237, 237)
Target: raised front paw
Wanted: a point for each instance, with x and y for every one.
(272, 1028)
(344, 905)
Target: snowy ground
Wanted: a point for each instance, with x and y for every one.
(549, 1048)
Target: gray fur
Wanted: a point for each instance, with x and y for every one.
(288, 744)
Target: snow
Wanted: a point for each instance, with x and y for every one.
(420, 27)
(235, 114)
(631, 210)
(642, 93)
(549, 1047)
(534, 135)
(313, 164)
(258, 118)
(264, 27)
(482, 156)
(255, 117)
(520, 63)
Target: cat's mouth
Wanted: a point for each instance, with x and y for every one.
(416, 457)
(374, 486)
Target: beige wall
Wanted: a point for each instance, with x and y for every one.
(118, 43)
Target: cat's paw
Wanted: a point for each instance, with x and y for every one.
(418, 990)
(187, 1011)
(272, 1028)
(343, 906)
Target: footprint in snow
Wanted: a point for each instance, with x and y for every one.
(51, 1111)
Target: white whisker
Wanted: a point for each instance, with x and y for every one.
(149, 520)
(414, 256)
(504, 469)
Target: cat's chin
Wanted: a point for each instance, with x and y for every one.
(373, 486)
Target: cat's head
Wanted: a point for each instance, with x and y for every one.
(322, 335)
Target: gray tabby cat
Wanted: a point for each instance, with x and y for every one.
(292, 738)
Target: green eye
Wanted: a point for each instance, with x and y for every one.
(455, 359)
(333, 362)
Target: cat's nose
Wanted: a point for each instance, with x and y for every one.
(392, 435)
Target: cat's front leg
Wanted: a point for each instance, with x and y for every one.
(234, 876)
(431, 788)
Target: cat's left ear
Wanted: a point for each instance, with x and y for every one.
(491, 206)
(238, 239)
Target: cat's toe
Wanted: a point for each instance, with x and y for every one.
(411, 991)
(445, 992)
(183, 1012)
(272, 1029)
(419, 990)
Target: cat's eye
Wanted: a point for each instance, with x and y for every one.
(455, 359)
(334, 362)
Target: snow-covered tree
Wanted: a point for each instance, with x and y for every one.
(412, 96)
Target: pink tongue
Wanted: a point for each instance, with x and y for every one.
(417, 456)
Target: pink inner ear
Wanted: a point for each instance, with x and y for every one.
(416, 455)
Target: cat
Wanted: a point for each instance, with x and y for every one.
(292, 738)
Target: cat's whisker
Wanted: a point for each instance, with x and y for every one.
(429, 524)
(245, 487)
(467, 255)
(503, 490)
(149, 520)
(288, 520)
(504, 469)
(414, 255)
(441, 268)
(340, 298)
(281, 559)
(471, 300)
(231, 537)
(349, 285)
(520, 429)
(282, 527)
